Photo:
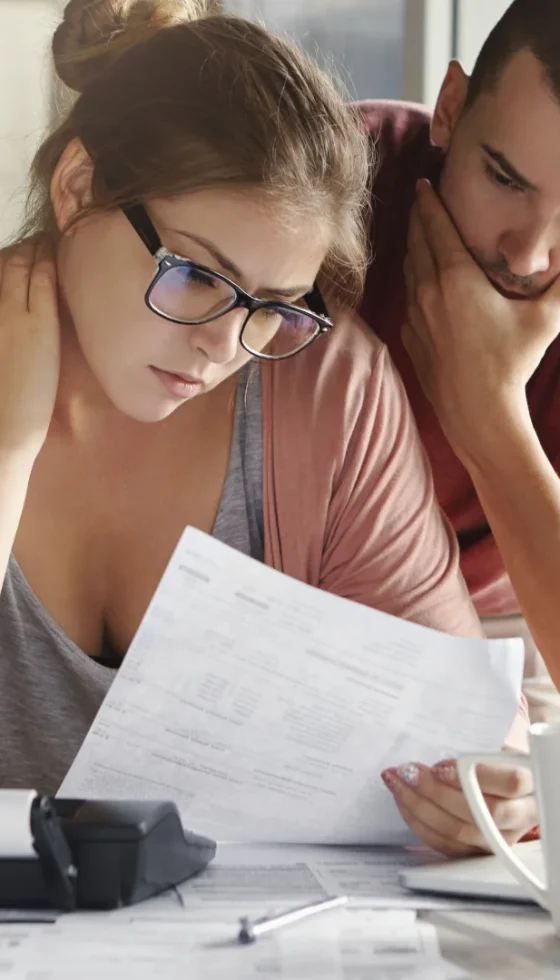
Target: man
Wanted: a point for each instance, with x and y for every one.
(464, 289)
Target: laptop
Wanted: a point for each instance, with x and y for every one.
(477, 877)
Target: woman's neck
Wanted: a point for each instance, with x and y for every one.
(81, 403)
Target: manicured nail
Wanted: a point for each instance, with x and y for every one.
(446, 772)
(409, 774)
(390, 778)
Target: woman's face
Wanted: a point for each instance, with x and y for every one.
(105, 270)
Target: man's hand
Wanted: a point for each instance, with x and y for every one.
(473, 350)
(433, 805)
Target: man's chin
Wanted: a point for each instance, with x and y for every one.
(509, 293)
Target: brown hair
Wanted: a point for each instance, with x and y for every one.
(527, 24)
(173, 98)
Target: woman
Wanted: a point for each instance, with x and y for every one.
(174, 363)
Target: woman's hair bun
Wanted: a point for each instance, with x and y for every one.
(95, 32)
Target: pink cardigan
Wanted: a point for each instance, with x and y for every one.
(349, 503)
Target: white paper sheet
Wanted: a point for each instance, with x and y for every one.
(355, 944)
(267, 709)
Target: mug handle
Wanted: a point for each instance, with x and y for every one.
(466, 766)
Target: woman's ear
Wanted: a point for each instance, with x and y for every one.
(449, 106)
(71, 185)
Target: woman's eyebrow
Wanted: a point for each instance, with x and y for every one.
(234, 271)
(220, 258)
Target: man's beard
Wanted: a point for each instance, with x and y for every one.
(506, 282)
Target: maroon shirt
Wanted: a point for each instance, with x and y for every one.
(405, 153)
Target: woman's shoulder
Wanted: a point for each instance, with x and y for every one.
(340, 394)
(341, 369)
(351, 342)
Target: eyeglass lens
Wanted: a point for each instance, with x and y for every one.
(190, 295)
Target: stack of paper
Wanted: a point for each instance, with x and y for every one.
(353, 944)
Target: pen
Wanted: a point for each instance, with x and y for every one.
(250, 931)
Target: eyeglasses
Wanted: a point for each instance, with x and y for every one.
(189, 293)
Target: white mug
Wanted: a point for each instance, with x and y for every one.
(544, 762)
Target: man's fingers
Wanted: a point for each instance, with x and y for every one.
(553, 292)
(409, 278)
(416, 320)
(550, 306)
(413, 345)
(440, 232)
(420, 256)
(410, 285)
(438, 226)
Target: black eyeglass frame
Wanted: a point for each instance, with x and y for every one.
(317, 311)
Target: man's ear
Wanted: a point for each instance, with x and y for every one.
(450, 104)
(71, 185)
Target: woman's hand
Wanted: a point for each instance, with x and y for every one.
(433, 805)
(29, 348)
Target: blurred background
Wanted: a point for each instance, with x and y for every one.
(364, 39)
(396, 49)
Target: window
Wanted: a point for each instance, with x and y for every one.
(363, 38)
(475, 20)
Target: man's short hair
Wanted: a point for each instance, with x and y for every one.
(526, 24)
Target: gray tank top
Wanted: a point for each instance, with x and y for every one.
(50, 691)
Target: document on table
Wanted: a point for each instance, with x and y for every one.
(267, 709)
(254, 879)
(354, 943)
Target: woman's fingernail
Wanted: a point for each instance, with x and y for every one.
(409, 774)
(390, 778)
(446, 772)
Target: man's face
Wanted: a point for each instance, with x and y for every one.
(501, 178)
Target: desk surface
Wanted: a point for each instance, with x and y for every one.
(517, 943)
(494, 945)
(486, 946)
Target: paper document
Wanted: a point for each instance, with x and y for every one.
(267, 709)
(258, 879)
(353, 944)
